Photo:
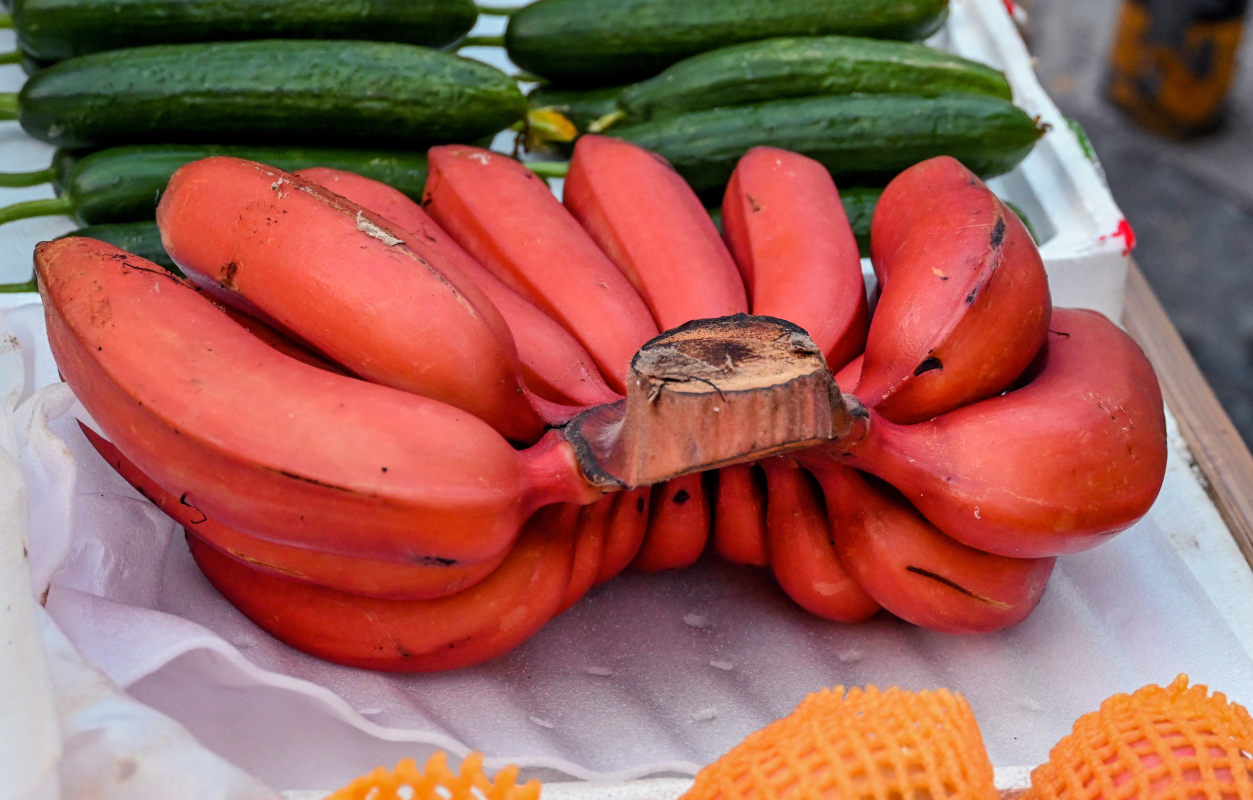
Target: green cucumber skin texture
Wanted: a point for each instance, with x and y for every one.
(58, 29)
(141, 238)
(295, 91)
(860, 138)
(773, 69)
(123, 184)
(604, 42)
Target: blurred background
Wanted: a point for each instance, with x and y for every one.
(1190, 202)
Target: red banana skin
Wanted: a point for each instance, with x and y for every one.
(650, 223)
(281, 449)
(678, 525)
(385, 579)
(739, 517)
(918, 573)
(1074, 455)
(627, 526)
(786, 227)
(554, 364)
(335, 276)
(509, 220)
(964, 301)
(802, 556)
(480, 623)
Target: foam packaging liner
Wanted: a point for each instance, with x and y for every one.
(649, 677)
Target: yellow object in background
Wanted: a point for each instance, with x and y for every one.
(1172, 62)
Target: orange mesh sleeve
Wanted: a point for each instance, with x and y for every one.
(435, 781)
(1173, 743)
(859, 745)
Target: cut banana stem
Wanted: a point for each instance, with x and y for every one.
(709, 393)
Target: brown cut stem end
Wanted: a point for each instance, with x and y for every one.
(710, 393)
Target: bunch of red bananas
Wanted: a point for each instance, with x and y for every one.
(372, 416)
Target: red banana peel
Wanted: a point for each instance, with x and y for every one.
(650, 223)
(963, 302)
(395, 580)
(918, 573)
(1059, 464)
(784, 222)
(553, 363)
(507, 218)
(281, 449)
(490, 618)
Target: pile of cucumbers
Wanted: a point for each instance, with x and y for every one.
(128, 90)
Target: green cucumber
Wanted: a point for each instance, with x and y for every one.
(121, 184)
(859, 138)
(291, 90)
(602, 42)
(58, 29)
(773, 69)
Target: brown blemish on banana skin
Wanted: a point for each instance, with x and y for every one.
(956, 586)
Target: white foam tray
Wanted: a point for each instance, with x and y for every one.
(583, 700)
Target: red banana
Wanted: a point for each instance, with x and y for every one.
(739, 517)
(336, 277)
(650, 223)
(784, 222)
(964, 300)
(798, 537)
(1070, 457)
(678, 525)
(275, 447)
(508, 219)
(554, 364)
(918, 573)
(490, 618)
(388, 579)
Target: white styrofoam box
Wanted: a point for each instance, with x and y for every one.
(1084, 237)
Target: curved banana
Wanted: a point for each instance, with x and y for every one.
(918, 573)
(1058, 464)
(388, 579)
(337, 278)
(484, 621)
(963, 296)
(554, 364)
(739, 516)
(275, 447)
(804, 562)
(508, 219)
(787, 229)
(678, 525)
(650, 223)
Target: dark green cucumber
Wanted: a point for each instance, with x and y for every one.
(859, 138)
(141, 238)
(58, 29)
(773, 69)
(121, 184)
(602, 42)
(291, 90)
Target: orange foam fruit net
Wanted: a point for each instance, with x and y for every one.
(1174, 743)
(860, 744)
(435, 781)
